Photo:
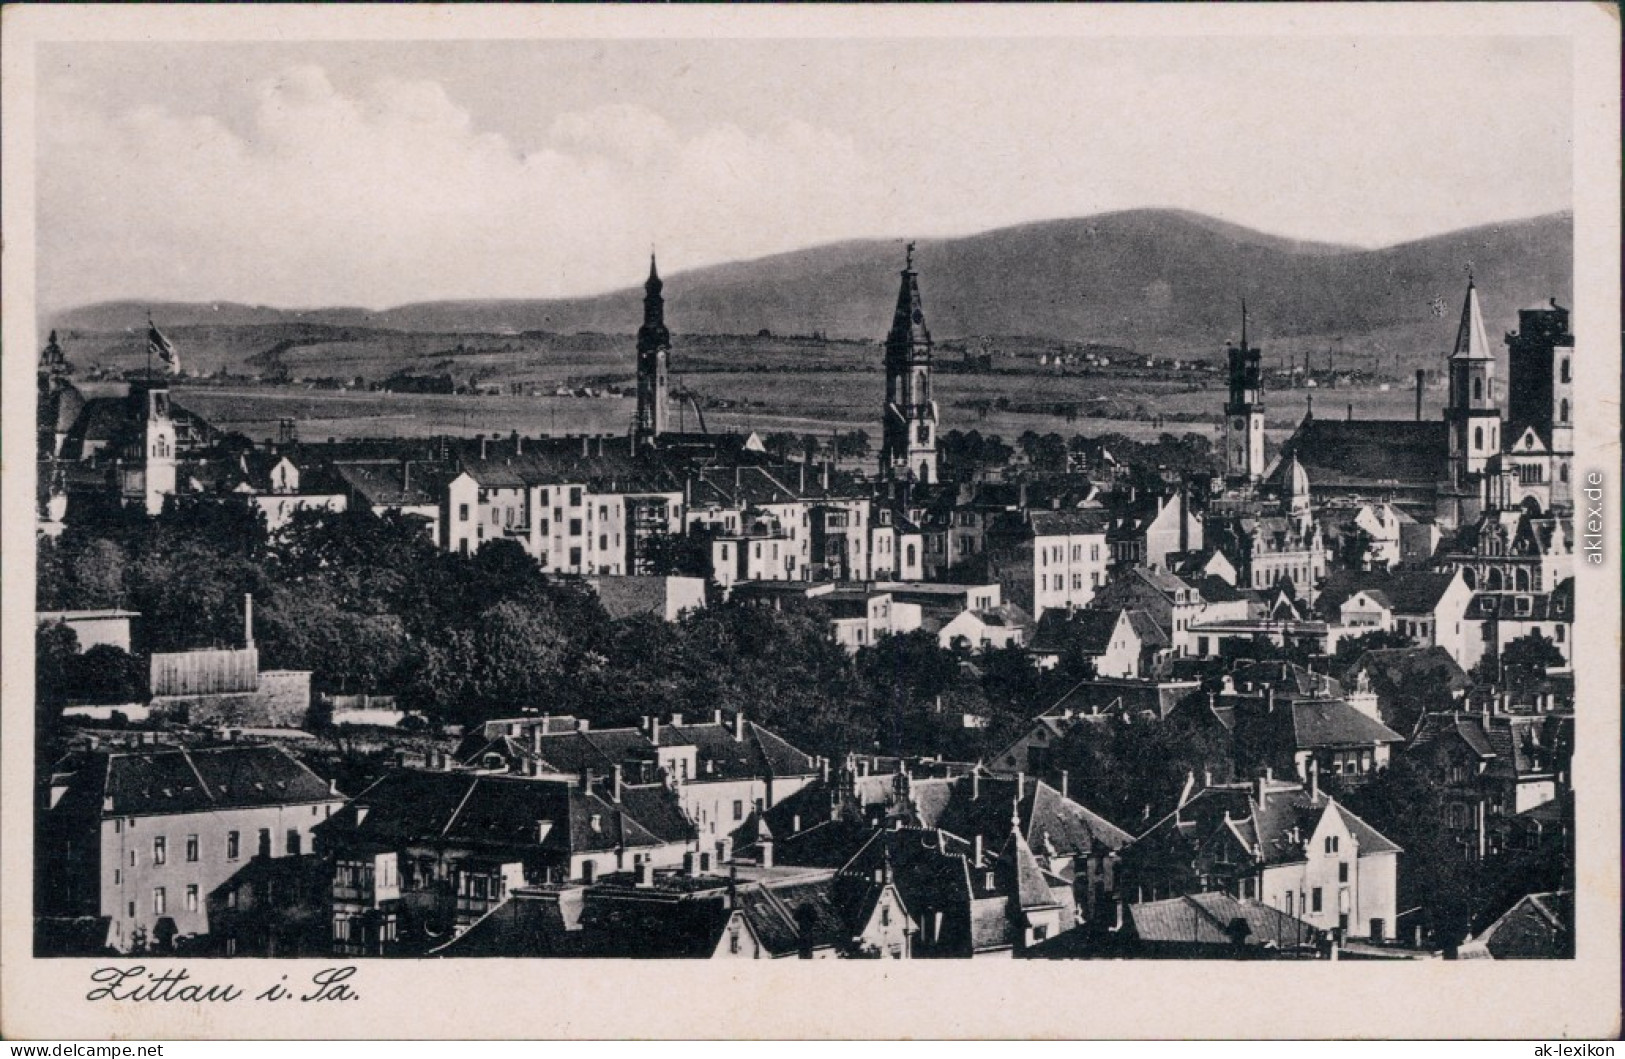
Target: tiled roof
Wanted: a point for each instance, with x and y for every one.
(1538, 927)
(722, 757)
(1333, 722)
(1368, 452)
(796, 916)
(1211, 918)
(389, 484)
(503, 812)
(189, 781)
(1410, 591)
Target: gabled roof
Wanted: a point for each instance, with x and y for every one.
(795, 916)
(1538, 927)
(1411, 592)
(720, 756)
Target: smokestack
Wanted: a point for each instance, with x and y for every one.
(739, 727)
(248, 619)
(1421, 377)
(1065, 779)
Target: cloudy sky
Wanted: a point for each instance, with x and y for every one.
(379, 173)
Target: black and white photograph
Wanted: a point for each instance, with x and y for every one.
(1074, 497)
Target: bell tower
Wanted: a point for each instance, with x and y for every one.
(1244, 411)
(1472, 412)
(908, 450)
(654, 351)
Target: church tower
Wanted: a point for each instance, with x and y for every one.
(1540, 390)
(147, 469)
(908, 450)
(1473, 416)
(1244, 412)
(654, 351)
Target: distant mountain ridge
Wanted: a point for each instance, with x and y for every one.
(1155, 280)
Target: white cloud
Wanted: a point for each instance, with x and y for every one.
(393, 193)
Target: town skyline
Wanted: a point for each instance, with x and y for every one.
(381, 174)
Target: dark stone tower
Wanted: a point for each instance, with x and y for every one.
(654, 350)
(908, 450)
(1244, 412)
(1540, 389)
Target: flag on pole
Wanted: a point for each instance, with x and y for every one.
(163, 348)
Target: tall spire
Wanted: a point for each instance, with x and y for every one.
(1244, 325)
(1472, 342)
(653, 283)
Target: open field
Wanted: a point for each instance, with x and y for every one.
(807, 403)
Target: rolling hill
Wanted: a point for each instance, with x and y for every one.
(1157, 280)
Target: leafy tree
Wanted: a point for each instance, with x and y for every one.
(1530, 655)
(684, 555)
(108, 674)
(1132, 771)
(1351, 648)
(1406, 803)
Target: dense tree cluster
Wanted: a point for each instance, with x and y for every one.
(369, 604)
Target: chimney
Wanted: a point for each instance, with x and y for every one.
(795, 824)
(482, 446)
(1065, 777)
(618, 777)
(765, 844)
(801, 480)
(332, 786)
(1021, 783)
(1351, 412)
(823, 769)
(248, 619)
(739, 727)
(1421, 376)
(676, 720)
(1314, 779)
(646, 873)
(587, 779)
(536, 731)
(582, 724)
(716, 718)
(585, 441)
(975, 784)
(976, 852)
(1261, 789)
(654, 730)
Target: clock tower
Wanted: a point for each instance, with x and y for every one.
(1244, 412)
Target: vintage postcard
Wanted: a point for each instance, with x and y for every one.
(1084, 522)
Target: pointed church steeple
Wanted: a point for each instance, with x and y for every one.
(1472, 342)
(908, 449)
(654, 349)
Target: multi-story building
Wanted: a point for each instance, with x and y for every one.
(142, 838)
(1291, 847)
(1540, 407)
(422, 854)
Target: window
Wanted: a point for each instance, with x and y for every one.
(603, 542)
(462, 512)
(733, 941)
(739, 810)
(1563, 411)
(118, 876)
(589, 871)
(885, 915)
(234, 845)
(1343, 871)
(1314, 899)
(294, 844)
(265, 842)
(575, 527)
(191, 849)
(191, 898)
(1563, 369)
(575, 496)
(132, 858)
(160, 850)
(160, 901)
(1289, 896)
(1331, 843)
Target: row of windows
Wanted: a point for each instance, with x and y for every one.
(160, 901)
(294, 844)
(1056, 553)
